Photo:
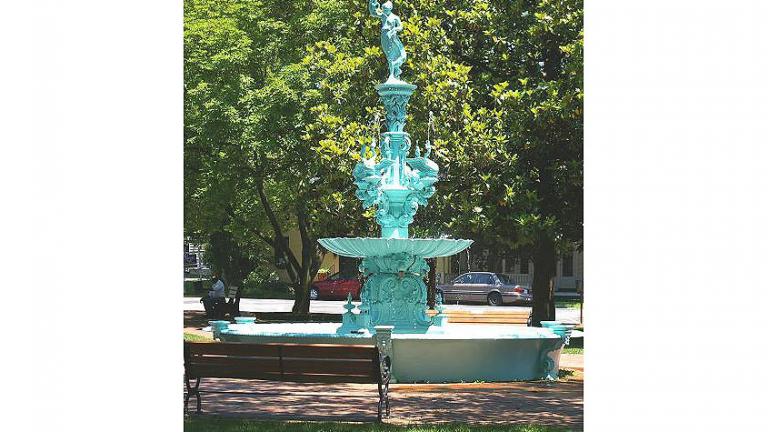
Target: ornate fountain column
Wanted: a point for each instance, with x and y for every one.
(394, 293)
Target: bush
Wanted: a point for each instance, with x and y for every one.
(263, 284)
(196, 288)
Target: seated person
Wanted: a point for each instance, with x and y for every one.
(215, 295)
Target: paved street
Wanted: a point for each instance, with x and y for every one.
(327, 306)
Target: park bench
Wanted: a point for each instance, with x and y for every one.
(229, 306)
(467, 317)
(286, 362)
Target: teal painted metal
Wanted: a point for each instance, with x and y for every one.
(359, 247)
(394, 292)
(218, 326)
(459, 352)
(390, 42)
(398, 183)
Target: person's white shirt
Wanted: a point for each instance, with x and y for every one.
(217, 290)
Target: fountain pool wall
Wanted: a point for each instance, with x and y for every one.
(449, 353)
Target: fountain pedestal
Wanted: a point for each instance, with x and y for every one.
(395, 292)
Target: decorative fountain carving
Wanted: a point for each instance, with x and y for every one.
(398, 184)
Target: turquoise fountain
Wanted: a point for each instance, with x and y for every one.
(393, 309)
(394, 265)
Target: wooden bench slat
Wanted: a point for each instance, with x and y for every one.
(467, 313)
(248, 373)
(329, 378)
(261, 364)
(480, 316)
(466, 317)
(487, 317)
(499, 315)
(329, 351)
(362, 367)
(223, 372)
(265, 350)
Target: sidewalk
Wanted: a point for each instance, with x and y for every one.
(555, 404)
(572, 361)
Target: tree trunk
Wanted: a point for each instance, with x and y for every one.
(431, 283)
(544, 260)
(301, 299)
(309, 262)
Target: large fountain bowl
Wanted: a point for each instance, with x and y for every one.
(449, 353)
(360, 247)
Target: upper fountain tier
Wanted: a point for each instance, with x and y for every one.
(397, 184)
(370, 247)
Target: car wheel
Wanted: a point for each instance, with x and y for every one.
(313, 293)
(494, 299)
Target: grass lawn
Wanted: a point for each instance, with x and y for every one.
(218, 424)
(568, 304)
(573, 350)
(191, 337)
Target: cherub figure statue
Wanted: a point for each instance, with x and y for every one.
(390, 42)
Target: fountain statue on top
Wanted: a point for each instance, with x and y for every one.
(390, 43)
(394, 292)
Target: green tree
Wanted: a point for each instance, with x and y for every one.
(264, 154)
(507, 79)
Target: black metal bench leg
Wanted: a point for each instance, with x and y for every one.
(385, 365)
(191, 391)
(383, 411)
(186, 401)
(381, 404)
(197, 394)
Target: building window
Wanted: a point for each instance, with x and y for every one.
(567, 265)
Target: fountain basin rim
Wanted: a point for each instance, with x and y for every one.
(446, 332)
(362, 247)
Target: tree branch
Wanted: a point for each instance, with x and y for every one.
(279, 244)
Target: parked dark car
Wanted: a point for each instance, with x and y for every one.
(337, 286)
(492, 288)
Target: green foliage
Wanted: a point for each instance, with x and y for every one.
(265, 284)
